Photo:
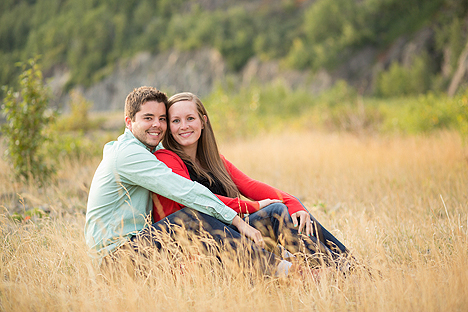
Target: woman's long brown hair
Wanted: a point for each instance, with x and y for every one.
(207, 149)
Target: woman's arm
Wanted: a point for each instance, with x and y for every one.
(257, 190)
(239, 205)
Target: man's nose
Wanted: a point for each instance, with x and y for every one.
(156, 123)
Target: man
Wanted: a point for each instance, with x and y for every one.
(119, 200)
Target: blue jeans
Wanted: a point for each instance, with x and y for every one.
(275, 223)
(199, 224)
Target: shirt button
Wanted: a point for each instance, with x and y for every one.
(225, 215)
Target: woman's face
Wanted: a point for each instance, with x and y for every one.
(185, 123)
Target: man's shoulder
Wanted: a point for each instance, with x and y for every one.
(127, 143)
(125, 149)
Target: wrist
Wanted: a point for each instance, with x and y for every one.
(237, 221)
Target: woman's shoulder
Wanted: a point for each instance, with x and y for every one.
(164, 151)
(167, 155)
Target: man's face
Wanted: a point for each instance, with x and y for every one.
(150, 123)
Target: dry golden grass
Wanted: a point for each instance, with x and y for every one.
(400, 205)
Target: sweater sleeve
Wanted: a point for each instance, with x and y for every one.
(168, 206)
(256, 190)
(239, 205)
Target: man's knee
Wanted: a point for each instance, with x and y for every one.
(277, 210)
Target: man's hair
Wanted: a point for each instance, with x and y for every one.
(140, 96)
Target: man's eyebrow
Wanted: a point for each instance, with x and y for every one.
(148, 114)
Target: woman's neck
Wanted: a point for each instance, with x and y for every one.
(191, 151)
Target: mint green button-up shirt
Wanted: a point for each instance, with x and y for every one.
(119, 199)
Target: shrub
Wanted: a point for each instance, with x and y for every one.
(426, 113)
(27, 115)
(400, 80)
(78, 119)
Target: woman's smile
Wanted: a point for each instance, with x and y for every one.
(186, 134)
(186, 125)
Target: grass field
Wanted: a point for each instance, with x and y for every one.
(399, 203)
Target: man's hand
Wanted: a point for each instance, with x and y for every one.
(265, 202)
(248, 231)
(304, 219)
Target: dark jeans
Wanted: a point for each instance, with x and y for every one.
(273, 221)
(189, 225)
(276, 225)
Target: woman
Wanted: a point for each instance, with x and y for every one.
(191, 151)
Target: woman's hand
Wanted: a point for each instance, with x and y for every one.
(248, 231)
(305, 221)
(265, 202)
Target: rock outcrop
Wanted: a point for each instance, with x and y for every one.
(199, 71)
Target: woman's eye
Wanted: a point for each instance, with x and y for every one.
(175, 121)
(191, 118)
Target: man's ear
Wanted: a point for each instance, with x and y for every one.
(128, 123)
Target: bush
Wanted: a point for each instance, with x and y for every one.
(27, 115)
(426, 113)
(400, 80)
(78, 119)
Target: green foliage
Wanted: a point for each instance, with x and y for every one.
(425, 113)
(27, 115)
(29, 215)
(332, 30)
(78, 118)
(400, 80)
(89, 37)
(254, 109)
(77, 145)
(341, 108)
(451, 36)
(77, 134)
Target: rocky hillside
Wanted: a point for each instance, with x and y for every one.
(381, 48)
(201, 70)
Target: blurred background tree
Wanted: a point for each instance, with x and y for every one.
(89, 37)
(27, 114)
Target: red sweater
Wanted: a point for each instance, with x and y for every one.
(250, 188)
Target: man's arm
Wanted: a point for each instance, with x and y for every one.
(142, 168)
(171, 160)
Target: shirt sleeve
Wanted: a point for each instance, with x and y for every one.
(257, 190)
(177, 165)
(140, 167)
